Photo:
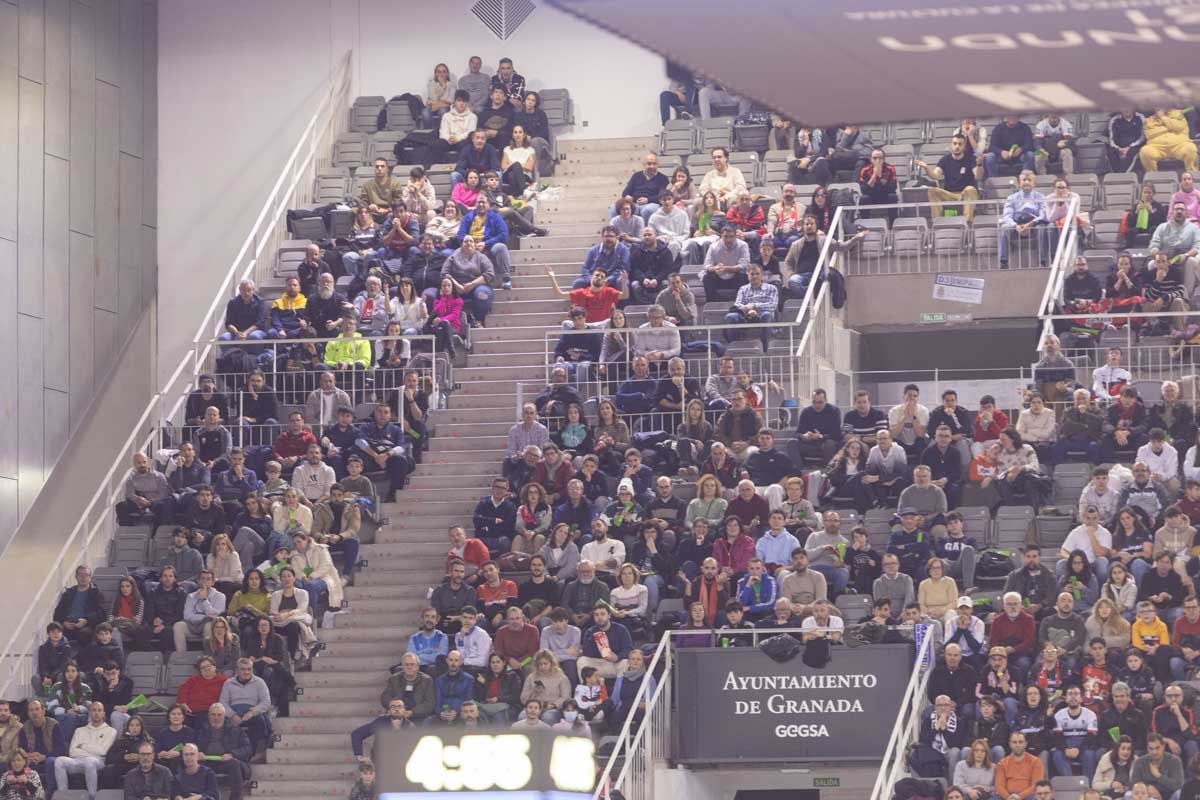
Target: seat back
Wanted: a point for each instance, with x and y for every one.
(309, 228)
(1165, 182)
(949, 236)
(1120, 190)
(399, 116)
(909, 133)
(747, 162)
(106, 579)
(775, 167)
(350, 149)
(977, 520)
(853, 607)
(1011, 526)
(128, 550)
(909, 236)
(716, 132)
(678, 137)
(557, 105)
(1106, 230)
(984, 234)
(145, 670)
(364, 114)
(180, 667)
(878, 522)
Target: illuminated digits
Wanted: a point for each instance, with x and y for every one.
(424, 766)
(513, 752)
(571, 764)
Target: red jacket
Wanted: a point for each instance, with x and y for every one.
(474, 552)
(1019, 634)
(999, 423)
(289, 444)
(754, 221)
(555, 484)
(520, 644)
(738, 560)
(198, 694)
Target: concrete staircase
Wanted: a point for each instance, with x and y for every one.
(312, 758)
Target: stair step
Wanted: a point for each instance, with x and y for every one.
(556, 241)
(546, 319)
(329, 694)
(568, 254)
(472, 483)
(596, 216)
(385, 549)
(372, 677)
(326, 724)
(335, 753)
(301, 774)
(308, 707)
(382, 615)
(303, 790)
(525, 352)
(310, 742)
(349, 634)
(576, 148)
(396, 594)
(373, 663)
(434, 470)
(372, 578)
(472, 443)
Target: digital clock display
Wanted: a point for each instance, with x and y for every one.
(488, 763)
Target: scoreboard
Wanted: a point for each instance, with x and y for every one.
(450, 762)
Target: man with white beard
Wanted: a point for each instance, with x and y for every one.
(326, 307)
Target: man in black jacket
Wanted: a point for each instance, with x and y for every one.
(163, 608)
(1125, 716)
(768, 465)
(495, 517)
(80, 608)
(220, 737)
(423, 264)
(644, 187)
(957, 680)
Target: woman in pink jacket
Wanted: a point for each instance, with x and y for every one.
(446, 319)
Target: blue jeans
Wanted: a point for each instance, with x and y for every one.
(480, 300)
(255, 335)
(350, 548)
(456, 178)
(1087, 761)
(992, 162)
(738, 318)
(654, 586)
(1044, 234)
(837, 577)
(499, 254)
(314, 586)
(646, 211)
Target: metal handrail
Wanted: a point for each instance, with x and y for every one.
(893, 762)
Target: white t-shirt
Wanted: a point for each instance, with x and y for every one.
(599, 552)
(1079, 540)
(518, 155)
(810, 623)
(908, 434)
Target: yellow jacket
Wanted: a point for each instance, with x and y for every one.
(1167, 129)
(349, 350)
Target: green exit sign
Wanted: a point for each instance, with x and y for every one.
(826, 783)
(934, 318)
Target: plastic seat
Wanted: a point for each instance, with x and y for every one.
(350, 150)
(985, 234)
(1106, 230)
(399, 116)
(557, 105)
(949, 236)
(106, 579)
(878, 522)
(977, 520)
(716, 132)
(312, 228)
(145, 670)
(1011, 526)
(910, 236)
(1165, 183)
(1121, 189)
(678, 137)
(854, 607)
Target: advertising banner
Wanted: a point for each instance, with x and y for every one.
(737, 704)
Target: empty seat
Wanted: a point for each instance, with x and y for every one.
(1101, 262)
(556, 104)
(909, 133)
(350, 150)
(854, 607)
(984, 238)
(309, 228)
(1052, 530)
(940, 130)
(383, 145)
(1121, 189)
(697, 165)
(878, 522)
(1106, 229)
(775, 167)
(341, 223)
(364, 114)
(128, 550)
(678, 137)
(998, 188)
(145, 670)
(717, 132)
(331, 187)
(875, 244)
(440, 181)
(747, 162)
(1012, 526)
(180, 667)
(900, 156)
(949, 236)
(909, 236)
(977, 521)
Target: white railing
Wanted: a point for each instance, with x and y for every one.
(1060, 268)
(292, 189)
(817, 316)
(908, 723)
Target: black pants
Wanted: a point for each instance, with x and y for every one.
(516, 180)
(1130, 162)
(818, 170)
(713, 286)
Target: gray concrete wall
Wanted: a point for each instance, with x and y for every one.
(78, 153)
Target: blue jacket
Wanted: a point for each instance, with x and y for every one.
(228, 487)
(918, 544)
(619, 641)
(828, 422)
(486, 514)
(487, 160)
(452, 691)
(765, 601)
(495, 229)
(242, 315)
(613, 262)
(364, 732)
(428, 648)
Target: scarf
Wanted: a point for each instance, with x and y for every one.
(939, 739)
(632, 674)
(708, 598)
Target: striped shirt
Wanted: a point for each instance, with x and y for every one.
(520, 437)
(764, 299)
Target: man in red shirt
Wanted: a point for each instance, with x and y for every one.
(1185, 635)
(473, 552)
(597, 298)
(292, 444)
(494, 594)
(517, 641)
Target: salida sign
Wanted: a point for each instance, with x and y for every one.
(736, 704)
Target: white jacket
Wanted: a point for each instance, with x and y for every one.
(1164, 464)
(318, 558)
(92, 740)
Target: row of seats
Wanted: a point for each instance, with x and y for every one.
(364, 112)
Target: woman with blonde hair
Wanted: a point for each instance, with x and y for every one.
(226, 566)
(1106, 623)
(548, 684)
(223, 646)
(709, 503)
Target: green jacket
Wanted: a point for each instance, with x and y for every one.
(354, 350)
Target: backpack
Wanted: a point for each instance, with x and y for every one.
(994, 564)
(842, 196)
(916, 789)
(235, 360)
(925, 762)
